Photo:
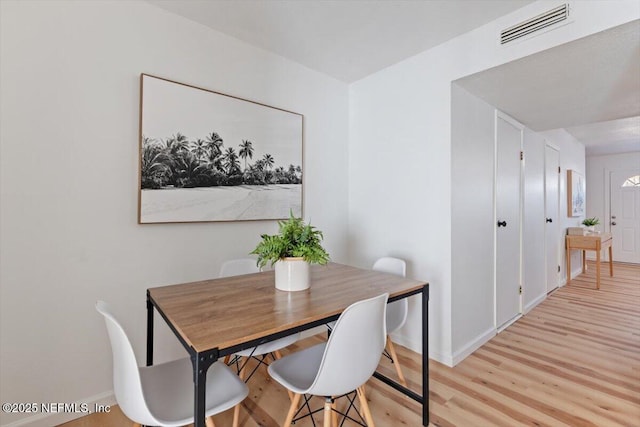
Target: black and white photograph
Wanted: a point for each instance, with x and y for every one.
(207, 156)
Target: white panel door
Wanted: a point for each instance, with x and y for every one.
(625, 215)
(508, 204)
(534, 265)
(552, 220)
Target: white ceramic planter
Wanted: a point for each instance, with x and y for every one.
(292, 274)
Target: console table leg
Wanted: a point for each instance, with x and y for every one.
(568, 264)
(597, 269)
(610, 261)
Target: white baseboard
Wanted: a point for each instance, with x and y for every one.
(442, 358)
(406, 342)
(48, 419)
(416, 346)
(472, 346)
(448, 360)
(532, 304)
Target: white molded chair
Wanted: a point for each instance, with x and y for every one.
(236, 267)
(396, 311)
(342, 364)
(162, 395)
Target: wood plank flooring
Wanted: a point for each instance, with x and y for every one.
(574, 360)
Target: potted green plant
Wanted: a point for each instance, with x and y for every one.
(291, 251)
(590, 224)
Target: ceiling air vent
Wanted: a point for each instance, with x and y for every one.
(550, 17)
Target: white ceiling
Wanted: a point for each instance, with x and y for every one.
(345, 39)
(586, 86)
(614, 136)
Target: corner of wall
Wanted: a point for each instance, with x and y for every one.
(472, 346)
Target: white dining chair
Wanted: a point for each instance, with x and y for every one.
(236, 267)
(162, 395)
(342, 364)
(396, 311)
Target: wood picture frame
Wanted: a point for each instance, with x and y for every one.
(206, 156)
(576, 191)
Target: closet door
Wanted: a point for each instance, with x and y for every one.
(552, 218)
(508, 219)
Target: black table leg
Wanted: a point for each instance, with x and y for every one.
(200, 383)
(149, 331)
(201, 363)
(425, 355)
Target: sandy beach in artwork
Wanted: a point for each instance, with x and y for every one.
(242, 202)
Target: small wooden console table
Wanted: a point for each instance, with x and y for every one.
(590, 242)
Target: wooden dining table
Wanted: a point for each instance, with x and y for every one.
(218, 317)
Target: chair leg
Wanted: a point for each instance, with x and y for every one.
(365, 407)
(226, 359)
(242, 370)
(327, 413)
(396, 362)
(209, 422)
(334, 414)
(137, 425)
(236, 415)
(292, 410)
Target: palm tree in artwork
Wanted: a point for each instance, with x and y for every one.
(177, 143)
(246, 150)
(215, 144)
(268, 161)
(200, 149)
(155, 164)
(187, 168)
(231, 161)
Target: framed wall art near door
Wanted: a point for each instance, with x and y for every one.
(206, 156)
(575, 194)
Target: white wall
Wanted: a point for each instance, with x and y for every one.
(69, 80)
(572, 156)
(400, 153)
(472, 221)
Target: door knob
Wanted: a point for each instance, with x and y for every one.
(613, 223)
(549, 220)
(502, 223)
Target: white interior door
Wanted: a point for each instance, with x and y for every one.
(624, 217)
(552, 220)
(508, 219)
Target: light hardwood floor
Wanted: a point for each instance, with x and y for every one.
(574, 360)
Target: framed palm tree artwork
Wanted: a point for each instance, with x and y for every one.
(206, 156)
